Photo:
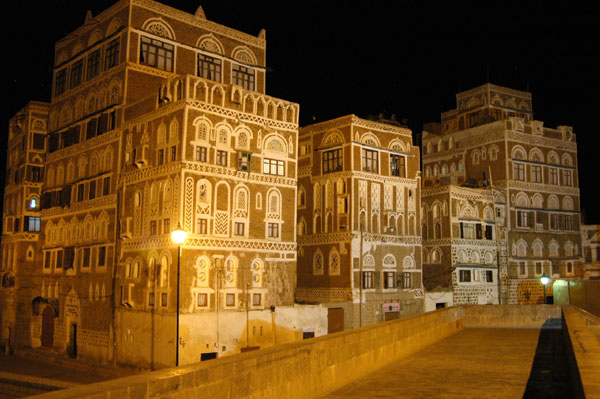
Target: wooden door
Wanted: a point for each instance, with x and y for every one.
(335, 320)
(48, 327)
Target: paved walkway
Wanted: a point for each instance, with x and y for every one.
(474, 363)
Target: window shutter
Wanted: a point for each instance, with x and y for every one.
(478, 231)
(461, 230)
(102, 124)
(531, 219)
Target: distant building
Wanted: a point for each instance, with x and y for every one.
(359, 239)
(491, 138)
(158, 118)
(464, 237)
(591, 251)
(26, 155)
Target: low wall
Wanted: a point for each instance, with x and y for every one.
(305, 369)
(509, 316)
(583, 354)
(19, 386)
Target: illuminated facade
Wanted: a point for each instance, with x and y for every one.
(22, 222)
(492, 138)
(158, 118)
(359, 242)
(464, 230)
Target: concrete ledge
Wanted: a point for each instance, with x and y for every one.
(305, 369)
(583, 354)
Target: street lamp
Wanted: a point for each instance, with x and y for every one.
(544, 280)
(178, 237)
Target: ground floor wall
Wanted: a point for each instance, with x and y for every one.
(435, 300)
(147, 340)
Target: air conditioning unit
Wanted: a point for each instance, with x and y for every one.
(141, 157)
(126, 227)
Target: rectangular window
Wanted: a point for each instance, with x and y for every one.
(370, 161)
(256, 299)
(86, 257)
(522, 269)
(209, 67)
(273, 167)
(367, 280)
(92, 192)
(333, 160)
(39, 141)
(273, 230)
(153, 227)
(464, 276)
(173, 153)
(536, 174)
(407, 281)
(102, 256)
(489, 276)
(239, 228)
(553, 176)
(468, 231)
(201, 154)
(157, 54)
(202, 300)
(106, 186)
(489, 235)
(518, 171)
(242, 76)
(93, 65)
(567, 178)
(76, 73)
(397, 166)
(161, 157)
(569, 267)
(202, 226)
(60, 82)
(389, 279)
(164, 299)
(522, 219)
(568, 222)
(244, 161)
(151, 299)
(230, 299)
(221, 158)
(80, 192)
(538, 268)
(554, 221)
(59, 259)
(47, 259)
(166, 226)
(31, 223)
(111, 57)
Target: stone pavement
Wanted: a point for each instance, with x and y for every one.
(474, 363)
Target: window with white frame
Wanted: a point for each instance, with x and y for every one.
(243, 76)
(157, 54)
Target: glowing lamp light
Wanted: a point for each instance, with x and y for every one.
(544, 279)
(178, 235)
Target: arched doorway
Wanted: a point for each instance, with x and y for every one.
(48, 327)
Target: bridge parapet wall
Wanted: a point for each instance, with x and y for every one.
(509, 316)
(583, 352)
(304, 369)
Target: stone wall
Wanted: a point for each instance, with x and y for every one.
(304, 369)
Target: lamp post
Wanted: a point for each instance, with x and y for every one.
(544, 280)
(178, 237)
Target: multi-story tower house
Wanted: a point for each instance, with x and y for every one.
(159, 119)
(463, 236)
(491, 138)
(359, 243)
(21, 223)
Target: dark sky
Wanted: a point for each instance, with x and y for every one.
(407, 58)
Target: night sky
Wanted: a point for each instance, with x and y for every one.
(407, 58)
